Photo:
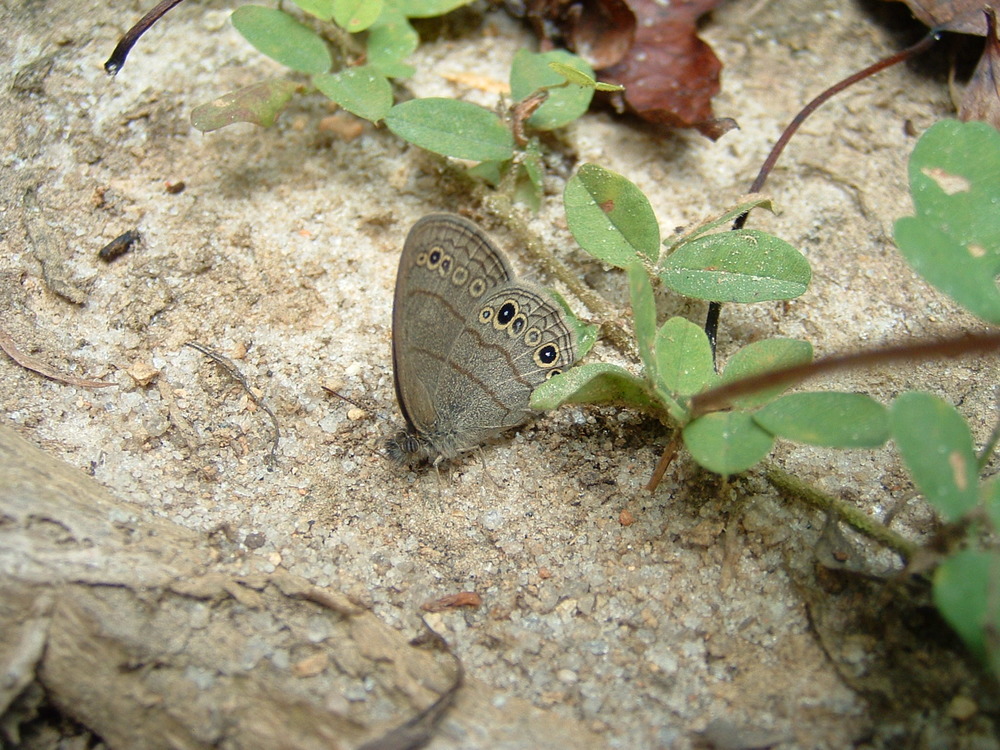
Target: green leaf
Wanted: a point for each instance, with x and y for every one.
(578, 77)
(965, 592)
(643, 318)
(356, 15)
(282, 38)
(726, 218)
(991, 500)
(452, 128)
(834, 420)
(763, 356)
(489, 171)
(936, 446)
(586, 333)
(610, 217)
(321, 9)
(727, 442)
(684, 363)
(742, 266)
(259, 104)
(954, 240)
(528, 188)
(530, 72)
(391, 40)
(428, 8)
(595, 384)
(362, 91)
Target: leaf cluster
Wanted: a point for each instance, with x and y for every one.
(953, 241)
(549, 89)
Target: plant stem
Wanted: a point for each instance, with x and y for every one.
(720, 397)
(666, 458)
(849, 514)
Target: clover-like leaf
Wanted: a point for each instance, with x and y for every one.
(530, 72)
(610, 217)
(452, 128)
(363, 91)
(727, 442)
(936, 445)
(258, 104)
(282, 38)
(834, 420)
(954, 239)
(741, 266)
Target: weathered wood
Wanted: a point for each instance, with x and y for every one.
(140, 630)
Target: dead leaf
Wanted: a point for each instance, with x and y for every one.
(962, 16)
(651, 48)
(981, 100)
(599, 31)
(36, 365)
(669, 74)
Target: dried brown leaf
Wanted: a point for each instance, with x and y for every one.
(962, 16)
(670, 75)
(36, 365)
(981, 100)
(599, 31)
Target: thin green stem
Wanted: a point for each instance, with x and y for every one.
(849, 514)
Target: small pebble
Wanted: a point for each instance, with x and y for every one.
(567, 676)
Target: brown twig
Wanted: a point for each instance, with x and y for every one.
(128, 40)
(666, 458)
(718, 398)
(227, 364)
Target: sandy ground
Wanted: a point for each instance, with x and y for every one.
(281, 252)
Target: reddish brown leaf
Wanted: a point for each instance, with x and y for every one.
(669, 74)
(453, 601)
(599, 31)
(981, 100)
(652, 48)
(963, 16)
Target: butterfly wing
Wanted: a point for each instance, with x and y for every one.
(448, 264)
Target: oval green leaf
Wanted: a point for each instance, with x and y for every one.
(742, 266)
(954, 239)
(259, 104)
(991, 499)
(362, 91)
(452, 128)
(597, 383)
(321, 9)
(936, 446)
(282, 38)
(610, 217)
(428, 8)
(965, 588)
(530, 72)
(833, 420)
(762, 356)
(727, 442)
(390, 41)
(356, 15)
(684, 364)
